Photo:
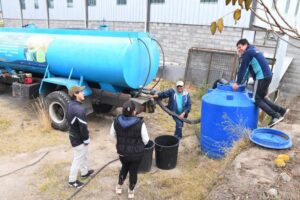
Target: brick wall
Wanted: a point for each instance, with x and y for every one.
(118, 26)
(67, 23)
(12, 22)
(176, 39)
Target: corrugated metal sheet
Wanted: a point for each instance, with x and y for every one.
(62, 12)
(195, 12)
(172, 11)
(35, 13)
(134, 10)
(11, 9)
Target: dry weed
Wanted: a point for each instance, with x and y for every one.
(4, 124)
(41, 110)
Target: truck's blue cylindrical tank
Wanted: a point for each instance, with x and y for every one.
(116, 58)
(225, 115)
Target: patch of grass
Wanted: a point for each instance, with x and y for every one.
(53, 181)
(4, 124)
(201, 90)
(25, 138)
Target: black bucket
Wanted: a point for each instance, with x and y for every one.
(146, 163)
(166, 151)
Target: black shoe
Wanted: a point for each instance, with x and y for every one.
(275, 121)
(90, 172)
(286, 111)
(76, 184)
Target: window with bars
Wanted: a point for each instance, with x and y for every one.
(23, 6)
(91, 2)
(51, 4)
(121, 2)
(36, 4)
(208, 1)
(157, 1)
(70, 3)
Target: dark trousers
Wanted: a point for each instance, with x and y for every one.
(262, 102)
(178, 127)
(131, 165)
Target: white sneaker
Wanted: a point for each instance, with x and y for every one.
(119, 189)
(275, 121)
(286, 112)
(130, 194)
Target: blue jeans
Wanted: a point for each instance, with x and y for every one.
(178, 128)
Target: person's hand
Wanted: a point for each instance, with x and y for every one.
(181, 116)
(235, 86)
(152, 96)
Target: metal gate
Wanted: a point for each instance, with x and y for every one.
(204, 66)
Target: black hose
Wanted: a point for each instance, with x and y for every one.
(149, 69)
(92, 177)
(12, 172)
(188, 121)
(163, 69)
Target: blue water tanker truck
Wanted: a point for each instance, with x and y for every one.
(113, 67)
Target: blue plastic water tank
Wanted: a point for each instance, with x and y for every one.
(225, 113)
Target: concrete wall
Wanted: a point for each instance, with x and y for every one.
(118, 25)
(291, 81)
(177, 39)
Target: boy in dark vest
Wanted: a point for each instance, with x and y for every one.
(132, 136)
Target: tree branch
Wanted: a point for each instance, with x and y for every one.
(269, 23)
(279, 35)
(275, 21)
(279, 14)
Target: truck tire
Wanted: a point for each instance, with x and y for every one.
(57, 108)
(102, 108)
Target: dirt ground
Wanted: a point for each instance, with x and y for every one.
(249, 175)
(253, 174)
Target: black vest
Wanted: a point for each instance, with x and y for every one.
(129, 140)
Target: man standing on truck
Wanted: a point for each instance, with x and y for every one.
(79, 136)
(255, 64)
(179, 102)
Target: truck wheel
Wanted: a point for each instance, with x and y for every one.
(102, 108)
(57, 107)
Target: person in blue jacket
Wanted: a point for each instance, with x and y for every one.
(179, 102)
(255, 64)
(79, 136)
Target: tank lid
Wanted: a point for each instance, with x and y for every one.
(228, 87)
